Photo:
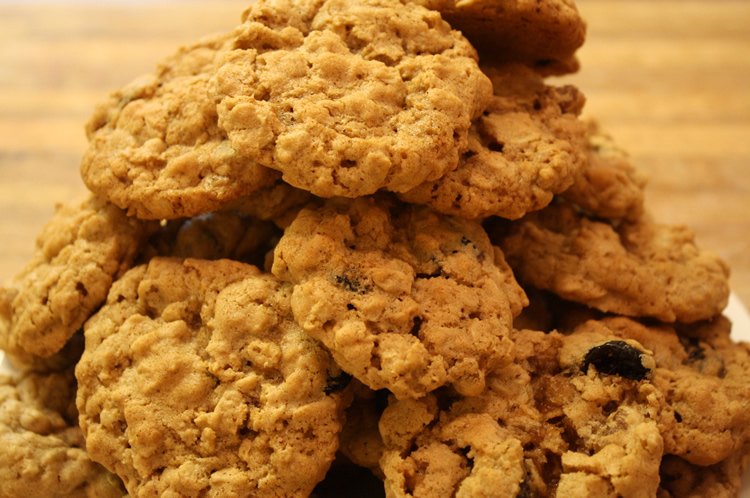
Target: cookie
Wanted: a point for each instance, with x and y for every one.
(155, 147)
(196, 380)
(639, 268)
(704, 377)
(44, 452)
(544, 34)
(404, 298)
(559, 419)
(527, 146)
(609, 186)
(80, 251)
(347, 98)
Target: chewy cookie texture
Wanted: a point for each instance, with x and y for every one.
(368, 248)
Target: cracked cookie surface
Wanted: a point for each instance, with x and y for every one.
(528, 145)
(81, 250)
(155, 147)
(196, 379)
(704, 376)
(545, 424)
(347, 98)
(639, 268)
(43, 450)
(403, 297)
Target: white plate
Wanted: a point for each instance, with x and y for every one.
(735, 311)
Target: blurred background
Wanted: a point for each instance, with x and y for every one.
(670, 80)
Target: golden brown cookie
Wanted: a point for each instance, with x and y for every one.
(80, 251)
(155, 147)
(609, 186)
(527, 146)
(43, 451)
(705, 378)
(404, 298)
(196, 380)
(637, 268)
(347, 98)
(573, 415)
(543, 34)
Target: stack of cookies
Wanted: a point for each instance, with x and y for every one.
(368, 238)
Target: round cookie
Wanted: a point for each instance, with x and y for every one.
(80, 251)
(609, 186)
(43, 451)
(347, 98)
(155, 147)
(527, 146)
(196, 380)
(557, 420)
(637, 268)
(543, 34)
(404, 298)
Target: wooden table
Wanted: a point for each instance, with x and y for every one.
(669, 79)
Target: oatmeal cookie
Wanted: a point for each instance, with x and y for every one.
(80, 251)
(155, 147)
(43, 451)
(609, 186)
(347, 98)
(196, 379)
(527, 146)
(705, 378)
(404, 298)
(639, 268)
(543, 34)
(576, 415)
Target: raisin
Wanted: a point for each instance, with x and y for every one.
(616, 358)
(337, 383)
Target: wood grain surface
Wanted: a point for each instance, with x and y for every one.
(670, 80)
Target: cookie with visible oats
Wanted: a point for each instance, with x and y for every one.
(404, 298)
(543, 34)
(527, 146)
(347, 98)
(609, 186)
(43, 451)
(639, 268)
(155, 147)
(573, 414)
(704, 377)
(196, 380)
(81, 250)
